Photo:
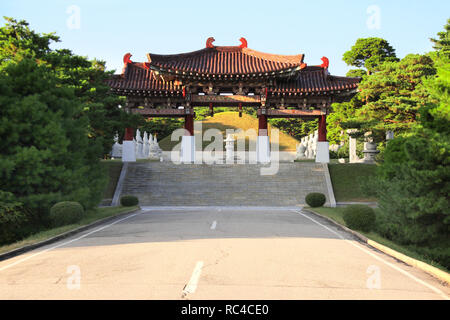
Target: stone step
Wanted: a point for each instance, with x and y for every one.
(170, 184)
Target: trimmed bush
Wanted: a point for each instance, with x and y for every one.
(359, 217)
(13, 221)
(65, 212)
(129, 201)
(315, 199)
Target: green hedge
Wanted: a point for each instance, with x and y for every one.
(315, 199)
(129, 201)
(66, 212)
(359, 217)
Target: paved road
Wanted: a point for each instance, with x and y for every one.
(213, 253)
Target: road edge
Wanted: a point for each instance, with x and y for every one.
(437, 273)
(15, 252)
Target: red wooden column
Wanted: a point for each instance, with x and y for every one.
(262, 125)
(129, 134)
(322, 128)
(322, 148)
(189, 124)
(262, 142)
(188, 140)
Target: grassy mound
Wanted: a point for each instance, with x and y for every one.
(231, 120)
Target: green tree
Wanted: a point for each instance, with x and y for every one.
(442, 44)
(296, 128)
(393, 96)
(87, 78)
(413, 181)
(45, 153)
(56, 120)
(370, 53)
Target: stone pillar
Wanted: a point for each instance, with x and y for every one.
(188, 140)
(128, 146)
(322, 150)
(352, 156)
(262, 142)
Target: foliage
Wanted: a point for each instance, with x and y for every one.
(85, 77)
(359, 217)
(336, 120)
(315, 199)
(161, 127)
(55, 123)
(370, 53)
(65, 212)
(296, 128)
(13, 221)
(44, 143)
(392, 97)
(129, 201)
(442, 44)
(414, 179)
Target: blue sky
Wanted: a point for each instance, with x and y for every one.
(109, 29)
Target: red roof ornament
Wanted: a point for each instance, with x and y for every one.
(147, 65)
(303, 66)
(126, 58)
(243, 43)
(209, 42)
(325, 63)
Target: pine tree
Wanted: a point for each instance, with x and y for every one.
(57, 119)
(414, 178)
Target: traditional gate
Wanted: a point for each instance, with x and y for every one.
(276, 85)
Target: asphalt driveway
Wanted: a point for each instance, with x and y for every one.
(214, 253)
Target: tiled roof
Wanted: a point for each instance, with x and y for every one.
(314, 79)
(222, 60)
(137, 77)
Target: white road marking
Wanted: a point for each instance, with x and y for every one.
(406, 273)
(213, 225)
(67, 242)
(191, 286)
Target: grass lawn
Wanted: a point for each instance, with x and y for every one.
(336, 215)
(113, 168)
(346, 180)
(231, 120)
(89, 217)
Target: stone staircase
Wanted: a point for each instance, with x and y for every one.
(170, 184)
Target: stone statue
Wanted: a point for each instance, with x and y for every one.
(139, 146)
(301, 149)
(146, 145)
(155, 152)
(116, 151)
(229, 148)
